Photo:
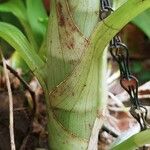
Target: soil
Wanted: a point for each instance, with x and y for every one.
(29, 127)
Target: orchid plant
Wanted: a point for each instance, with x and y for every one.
(67, 54)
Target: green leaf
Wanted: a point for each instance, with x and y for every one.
(18, 9)
(18, 63)
(134, 141)
(43, 51)
(15, 7)
(143, 22)
(20, 43)
(37, 18)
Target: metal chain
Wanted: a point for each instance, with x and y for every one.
(120, 53)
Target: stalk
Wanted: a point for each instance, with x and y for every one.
(76, 92)
(71, 128)
(67, 36)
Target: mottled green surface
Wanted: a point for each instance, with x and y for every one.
(79, 100)
(74, 80)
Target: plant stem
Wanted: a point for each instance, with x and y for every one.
(76, 104)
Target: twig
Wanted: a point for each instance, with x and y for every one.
(109, 131)
(15, 73)
(27, 87)
(113, 77)
(11, 115)
(117, 101)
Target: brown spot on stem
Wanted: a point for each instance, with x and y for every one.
(71, 43)
(60, 14)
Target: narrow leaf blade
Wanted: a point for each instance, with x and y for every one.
(37, 18)
(143, 22)
(19, 42)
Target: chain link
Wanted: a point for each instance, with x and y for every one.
(120, 53)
